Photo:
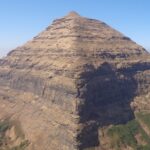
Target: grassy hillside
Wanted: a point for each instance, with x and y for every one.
(134, 134)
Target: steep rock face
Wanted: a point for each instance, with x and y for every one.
(73, 79)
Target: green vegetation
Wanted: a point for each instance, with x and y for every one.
(4, 126)
(143, 147)
(125, 135)
(22, 146)
(5, 141)
(144, 136)
(145, 118)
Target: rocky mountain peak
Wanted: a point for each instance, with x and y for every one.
(67, 86)
(77, 35)
(73, 14)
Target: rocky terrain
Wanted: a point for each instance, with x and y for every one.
(78, 85)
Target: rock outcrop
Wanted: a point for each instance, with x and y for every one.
(72, 80)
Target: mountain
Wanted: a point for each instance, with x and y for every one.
(78, 85)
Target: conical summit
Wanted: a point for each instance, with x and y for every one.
(74, 87)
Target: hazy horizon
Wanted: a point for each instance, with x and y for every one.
(21, 21)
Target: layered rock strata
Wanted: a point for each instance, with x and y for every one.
(74, 78)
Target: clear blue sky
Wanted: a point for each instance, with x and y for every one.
(20, 20)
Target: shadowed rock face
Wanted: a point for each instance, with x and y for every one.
(74, 78)
(107, 94)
